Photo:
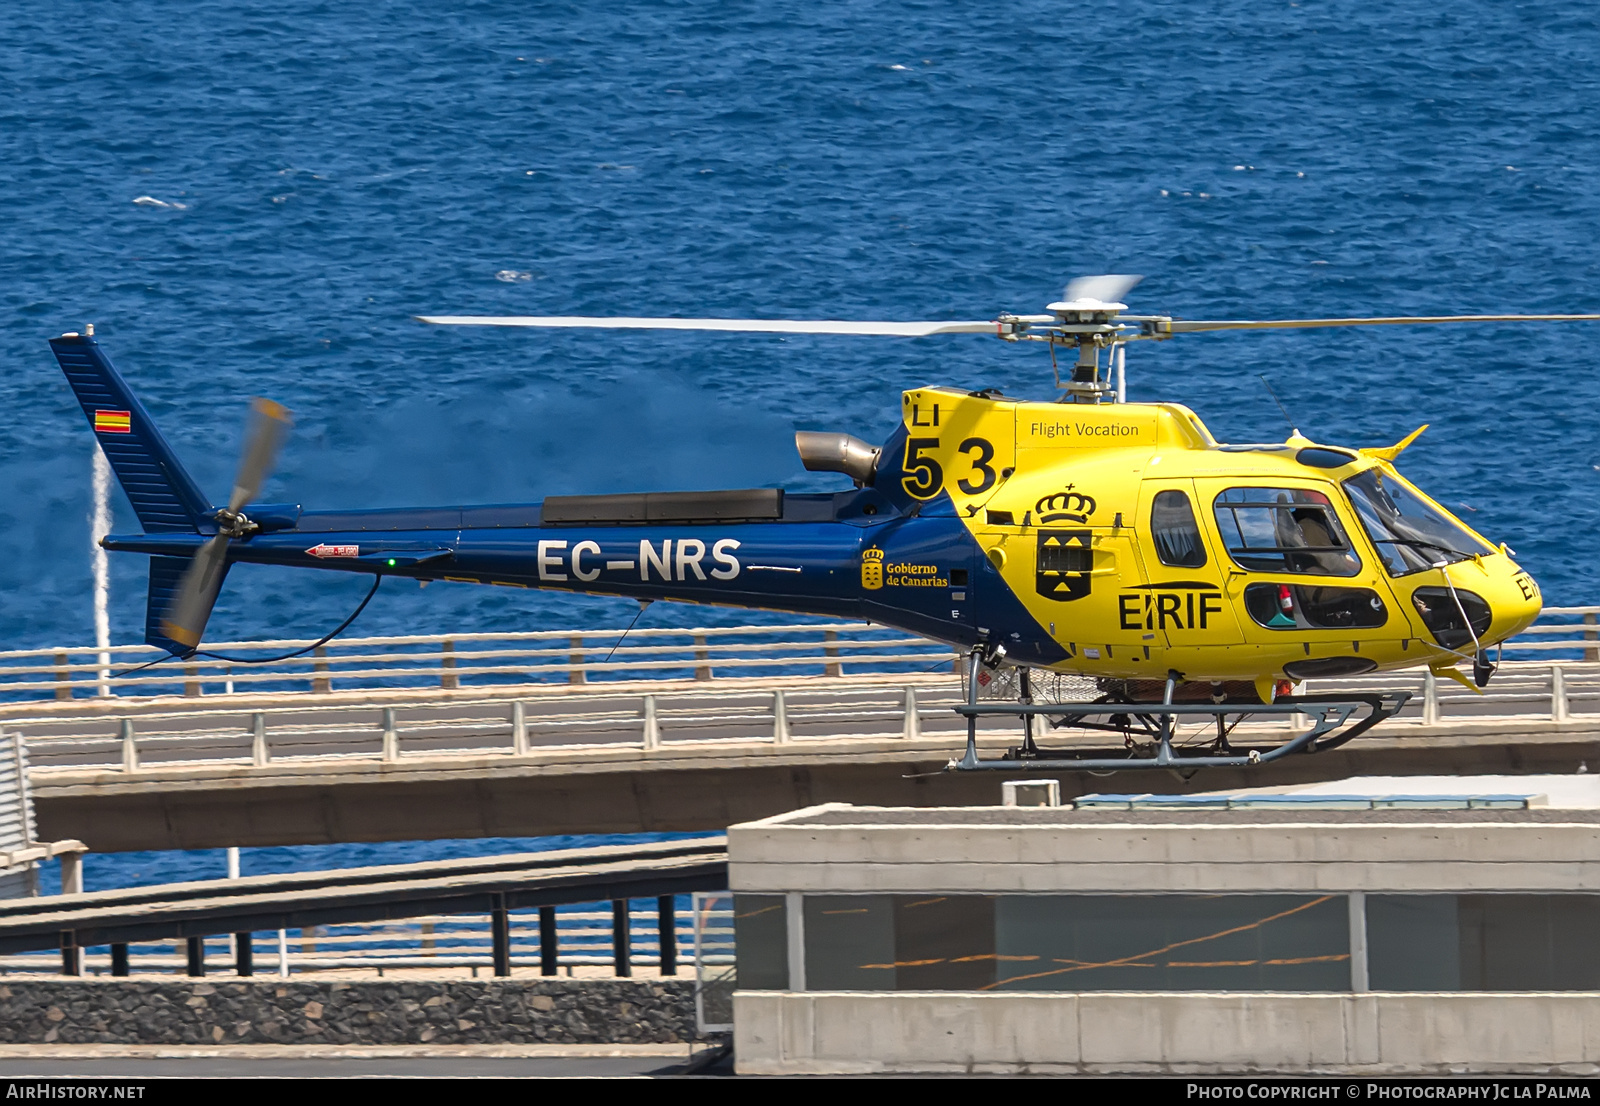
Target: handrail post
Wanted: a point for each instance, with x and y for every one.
(1591, 634)
(913, 724)
(780, 719)
(667, 934)
(447, 665)
(621, 939)
(259, 754)
(956, 664)
(1430, 699)
(63, 676)
(500, 934)
(830, 650)
(702, 656)
(321, 683)
(519, 728)
(71, 953)
(72, 873)
(1559, 707)
(549, 941)
(1298, 721)
(191, 681)
(652, 726)
(576, 673)
(391, 736)
(130, 748)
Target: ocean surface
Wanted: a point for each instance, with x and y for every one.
(255, 199)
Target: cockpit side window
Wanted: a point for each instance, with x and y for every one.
(1409, 533)
(1284, 530)
(1177, 535)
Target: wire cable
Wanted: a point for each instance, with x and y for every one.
(377, 578)
(142, 667)
(644, 605)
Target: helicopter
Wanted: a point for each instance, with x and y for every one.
(1116, 542)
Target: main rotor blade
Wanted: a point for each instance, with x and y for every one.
(264, 435)
(1191, 326)
(751, 326)
(186, 618)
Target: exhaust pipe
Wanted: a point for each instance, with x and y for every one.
(821, 451)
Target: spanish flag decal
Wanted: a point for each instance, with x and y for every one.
(112, 422)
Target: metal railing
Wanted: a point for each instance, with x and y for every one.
(454, 661)
(516, 727)
(791, 685)
(584, 938)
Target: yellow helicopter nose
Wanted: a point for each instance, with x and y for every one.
(1512, 595)
(1517, 603)
(1496, 597)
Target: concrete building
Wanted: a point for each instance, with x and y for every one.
(1371, 926)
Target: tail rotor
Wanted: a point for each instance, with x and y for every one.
(265, 431)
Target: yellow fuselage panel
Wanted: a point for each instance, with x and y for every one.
(1061, 497)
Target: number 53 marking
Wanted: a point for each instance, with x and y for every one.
(925, 476)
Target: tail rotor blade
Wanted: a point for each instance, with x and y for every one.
(197, 593)
(269, 424)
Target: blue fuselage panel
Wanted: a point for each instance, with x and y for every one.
(921, 574)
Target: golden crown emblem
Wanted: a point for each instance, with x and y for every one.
(872, 569)
(1070, 506)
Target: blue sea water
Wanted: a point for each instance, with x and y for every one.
(255, 199)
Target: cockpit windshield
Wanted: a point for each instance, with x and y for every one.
(1410, 533)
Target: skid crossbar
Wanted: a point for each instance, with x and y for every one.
(1331, 716)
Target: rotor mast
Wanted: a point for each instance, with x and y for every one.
(1087, 319)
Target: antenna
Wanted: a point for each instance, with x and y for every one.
(1294, 431)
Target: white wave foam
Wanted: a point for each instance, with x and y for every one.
(513, 276)
(151, 201)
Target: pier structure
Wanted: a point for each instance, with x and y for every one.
(505, 735)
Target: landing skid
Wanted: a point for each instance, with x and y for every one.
(1148, 729)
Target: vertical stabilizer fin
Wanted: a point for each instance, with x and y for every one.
(163, 495)
(166, 573)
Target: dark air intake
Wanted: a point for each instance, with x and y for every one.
(756, 504)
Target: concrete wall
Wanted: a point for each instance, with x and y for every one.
(369, 1012)
(1024, 854)
(1189, 1033)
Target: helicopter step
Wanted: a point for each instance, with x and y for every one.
(1149, 730)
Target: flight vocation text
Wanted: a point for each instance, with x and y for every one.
(1159, 610)
(1053, 430)
(684, 559)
